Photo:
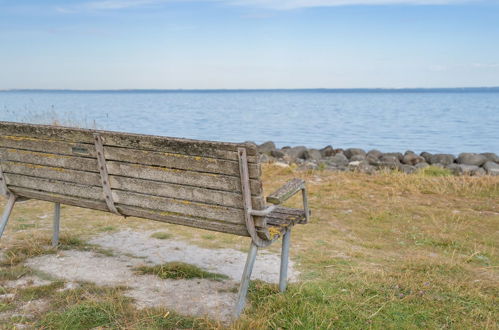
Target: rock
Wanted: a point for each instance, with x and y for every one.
(426, 156)
(491, 156)
(277, 153)
(454, 168)
(412, 159)
(467, 158)
(361, 166)
(374, 153)
(327, 151)
(312, 154)
(480, 172)
(266, 147)
(372, 160)
(409, 152)
(308, 166)
(337, 160)
(357, 158)
(468, 169)
(264, 158)
(408, 169)
(444, 159)
(389, 161)
(491, 168)
(399, 155)
(354, 151)
(295, 153)
(421, 165)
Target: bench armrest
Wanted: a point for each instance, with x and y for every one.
(286, 191)
(289, 189)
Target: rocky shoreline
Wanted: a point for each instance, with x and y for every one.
(355, 159)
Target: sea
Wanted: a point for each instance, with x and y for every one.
(432, 120)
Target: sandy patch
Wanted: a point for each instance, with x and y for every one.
(189, 297)
(225, 261)
(26, 281)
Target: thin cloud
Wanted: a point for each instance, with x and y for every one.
(262, 4)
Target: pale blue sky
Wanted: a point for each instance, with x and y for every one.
(168, 44)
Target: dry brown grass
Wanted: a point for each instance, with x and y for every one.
(381, 251)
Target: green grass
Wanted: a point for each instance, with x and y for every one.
(179, 270)
(161, 235)
(382, 251)
(435, 171)
(37, 292)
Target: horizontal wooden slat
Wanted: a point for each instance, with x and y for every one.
(49, 146)
(285, 216)
(53, 186)
(286, 191)
(163, 189)
(236, 229)
(128, 140)
(205, 180)
(177, 206)
(178, 161)
(49, 172)
(48, 159)
(171, 205)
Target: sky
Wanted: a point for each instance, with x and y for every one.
(248, 44)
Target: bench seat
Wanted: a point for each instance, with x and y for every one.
(286, 216)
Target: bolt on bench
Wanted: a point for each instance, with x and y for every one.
(209, 185)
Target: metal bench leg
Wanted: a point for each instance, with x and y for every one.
(245, 280)
(57, 218)
(6, 213)
(283, 275)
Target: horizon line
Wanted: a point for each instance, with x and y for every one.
(363, 89)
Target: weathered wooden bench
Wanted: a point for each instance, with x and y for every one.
(210, 185)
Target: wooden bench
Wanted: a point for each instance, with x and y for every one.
(209, 185)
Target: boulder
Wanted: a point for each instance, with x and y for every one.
(266, 147)
(412, 159)
(491, 168)
(426, 156)
(480, 172)
(398, 155)
(374, 153)
(295, 153)
(454, 168)
(491, 156)
(444, 159)
(327, 151)
(277, 153)
(361, 166)
(468, 169)
(312, 154)
(350, 152)
(357, 158)
(373, 160)
(408, 169)
(264, 158)
(389, 161)
(468, 158)
(337, 160)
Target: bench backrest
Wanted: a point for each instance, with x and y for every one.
(181, 181)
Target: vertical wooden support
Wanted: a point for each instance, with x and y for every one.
(57, 218)
(283, 274)
(3, 183)
(245, 280)
(6, 212)
(106, 187)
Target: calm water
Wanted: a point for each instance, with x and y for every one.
(389, 121)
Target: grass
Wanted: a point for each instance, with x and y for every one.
(387, 250)
(161, 235)
(179, 270)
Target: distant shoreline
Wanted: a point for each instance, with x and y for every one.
(277, 90)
